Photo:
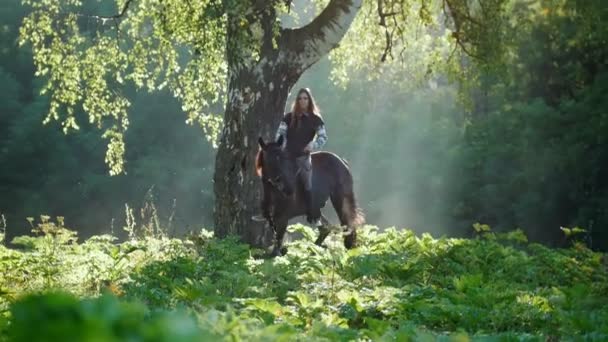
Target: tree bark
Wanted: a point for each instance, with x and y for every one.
(257, 93)
(255, 107)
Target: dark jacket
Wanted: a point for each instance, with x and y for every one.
(302, 133)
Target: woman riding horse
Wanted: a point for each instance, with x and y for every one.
(303, 131)
(288, 162)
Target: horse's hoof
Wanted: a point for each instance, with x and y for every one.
(258, 218)
(322, 245)
(347, 231)
(316, 252)
(278, 252)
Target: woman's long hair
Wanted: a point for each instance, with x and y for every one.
(296, 111)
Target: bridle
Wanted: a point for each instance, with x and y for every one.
(276, 183)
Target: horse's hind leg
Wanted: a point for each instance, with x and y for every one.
(350, 237)
(323, 231)
(350, 234)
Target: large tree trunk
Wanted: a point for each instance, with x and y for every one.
(256, 103)
(253, 110)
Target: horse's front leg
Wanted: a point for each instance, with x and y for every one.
(280, 227)
(323, 231)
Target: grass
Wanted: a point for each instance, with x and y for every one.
(394, 286)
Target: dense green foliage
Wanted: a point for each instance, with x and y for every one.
(395, 285)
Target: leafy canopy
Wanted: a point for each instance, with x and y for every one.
(88, 51)
(86, 59)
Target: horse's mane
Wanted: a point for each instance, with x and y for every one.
(258, 163)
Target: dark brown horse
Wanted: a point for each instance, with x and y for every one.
(331, 180)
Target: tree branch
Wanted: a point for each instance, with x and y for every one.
(306, 45)
(119, 15)
(461, 20)
(387, 35)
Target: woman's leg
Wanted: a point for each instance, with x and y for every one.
(304, 164)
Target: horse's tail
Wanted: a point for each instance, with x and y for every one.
(345, 201)
(354, 214)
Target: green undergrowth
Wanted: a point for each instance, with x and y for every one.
(396, 286)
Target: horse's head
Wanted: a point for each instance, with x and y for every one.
(274, 166)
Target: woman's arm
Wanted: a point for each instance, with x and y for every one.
(282, 131)
(319, 141)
